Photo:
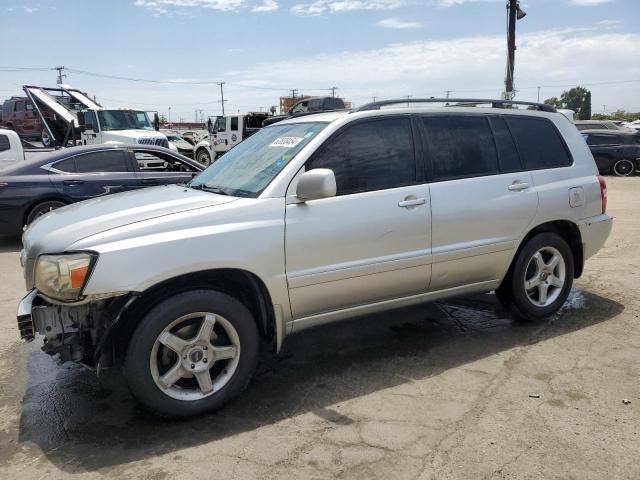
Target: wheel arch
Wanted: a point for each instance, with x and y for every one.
(569, 231)
(242, 285)
(52, 197)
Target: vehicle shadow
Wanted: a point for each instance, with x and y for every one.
(82, 423)
(10, 243)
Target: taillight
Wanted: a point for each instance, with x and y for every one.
(603, 192)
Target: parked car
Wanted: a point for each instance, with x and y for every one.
(193, 137)
(616, 152)
(599, 125)
(309, 221)
(18, 115)
(11, 150)
(36, 187)
(178, 143)
(309, 105)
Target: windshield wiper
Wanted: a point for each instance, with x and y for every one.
(205, 188)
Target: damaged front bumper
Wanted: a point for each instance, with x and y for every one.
(79, 333)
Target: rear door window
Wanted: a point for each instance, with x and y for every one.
(372, 155)
(107, 161)
(459, 146)
(508, 157)
(539, 143)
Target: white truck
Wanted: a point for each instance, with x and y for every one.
(225, 132)
(73, 116)
(11, 150)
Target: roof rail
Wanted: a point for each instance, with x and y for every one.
(457, 102)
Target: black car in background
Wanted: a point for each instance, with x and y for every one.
(32, 188)
(615, 151)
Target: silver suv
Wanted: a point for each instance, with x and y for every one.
(312, 220)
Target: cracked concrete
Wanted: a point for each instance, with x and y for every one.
(443, 391)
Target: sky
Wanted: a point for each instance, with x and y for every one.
(177, 50)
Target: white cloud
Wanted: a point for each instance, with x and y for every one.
(30, 9)
(454, 3)
(398, 24)
(336, 6)
(160, 7)
(589, 3)
(467, 66)
(266, 6)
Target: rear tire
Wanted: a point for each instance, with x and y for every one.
(177, 368)
(624, 168)
(42, 209)
(540, 278)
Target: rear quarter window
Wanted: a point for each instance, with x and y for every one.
(4, 143)
(539, 143)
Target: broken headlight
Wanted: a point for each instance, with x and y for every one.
(62, 277)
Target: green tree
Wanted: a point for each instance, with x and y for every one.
(585, 109)
(577, 99)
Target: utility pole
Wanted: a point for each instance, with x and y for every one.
(408, 97)
(373, 99)
(448, 93)
(333, 91)
(293, 94)
(538, 94)
(60, 74)
(169, 117)
(222, 100)
(515, 13)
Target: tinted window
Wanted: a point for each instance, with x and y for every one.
(507, 154)
(459, 146)
(601, 140)
(538, 142)
(370, 156)
(4, 143)
(19, 106)
(160, 162)
(109, 161)
(67, 165)
(234, 123)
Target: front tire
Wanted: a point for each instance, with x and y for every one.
(540, 280)
(45, 139)
(623, 168)
(192, 353)
(203, 157)
(42, 209)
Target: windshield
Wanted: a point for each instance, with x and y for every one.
(124, 120)
(248, 168)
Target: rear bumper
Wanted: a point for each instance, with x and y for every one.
(594, 232)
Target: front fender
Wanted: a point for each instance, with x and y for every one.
(133, 258)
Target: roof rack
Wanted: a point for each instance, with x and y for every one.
(456, 102)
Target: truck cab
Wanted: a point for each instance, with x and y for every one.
(225, 132)
(11, 150)
(118, 126)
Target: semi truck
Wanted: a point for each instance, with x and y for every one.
(69, 116)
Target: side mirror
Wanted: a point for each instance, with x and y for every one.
(315, 184)
(156, 122)
(80, 116)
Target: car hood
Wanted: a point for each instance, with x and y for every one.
(57, 230)
(126, 136)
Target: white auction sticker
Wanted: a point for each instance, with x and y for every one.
(286, 142)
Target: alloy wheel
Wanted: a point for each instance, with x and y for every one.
(195, 356)
(545, 276)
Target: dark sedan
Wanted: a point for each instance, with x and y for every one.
(32, 188)
(614, 151)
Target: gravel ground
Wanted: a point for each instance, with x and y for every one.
(448, 390)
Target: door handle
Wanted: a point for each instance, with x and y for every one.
(518, 186)
(73, 182)
(412, 202)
